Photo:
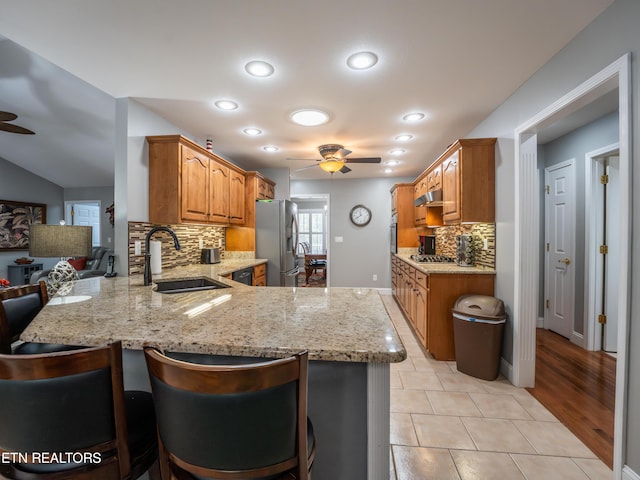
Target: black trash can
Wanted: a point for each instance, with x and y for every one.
(478, 325)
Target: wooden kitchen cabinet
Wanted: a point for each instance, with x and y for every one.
(260, 275)
(468, 181)
(402, 195)
(434, 178)
(265, 188)
(188, 184)
(427, 299)
(420, 211)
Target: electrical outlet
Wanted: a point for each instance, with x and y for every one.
(375, 278)
(200, 244)
(137, 249)
(339, 239)
(486, 244)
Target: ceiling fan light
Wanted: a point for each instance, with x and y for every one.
(331, 166)
(362, 60)
(258, 68)
(309, 117)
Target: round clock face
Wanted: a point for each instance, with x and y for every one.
(360, 215)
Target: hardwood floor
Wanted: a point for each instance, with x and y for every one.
(578, 387)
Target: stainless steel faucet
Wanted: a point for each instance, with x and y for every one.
(147, 254)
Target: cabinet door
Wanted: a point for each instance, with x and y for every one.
(219, 193)
(261, 190)
(451, 189)
(420, 211)
(421, 313)
(434, 179)
(195, 186)
(271, 191)
(236, 197)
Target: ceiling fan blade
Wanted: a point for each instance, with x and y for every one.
(345, 169)
(306, 159)
(306, 168)
(8, 127)
(363, 160)
(7, 116)
(342, 153)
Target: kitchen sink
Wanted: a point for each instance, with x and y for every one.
(188, 285)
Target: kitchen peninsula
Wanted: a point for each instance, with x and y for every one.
(347, 332)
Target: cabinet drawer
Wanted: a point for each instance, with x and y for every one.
(260, 270)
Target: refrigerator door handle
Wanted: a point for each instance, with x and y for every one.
(293, 273)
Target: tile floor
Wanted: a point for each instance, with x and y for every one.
(448, 425)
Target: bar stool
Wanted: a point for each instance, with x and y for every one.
(73, 404)
(232, 421)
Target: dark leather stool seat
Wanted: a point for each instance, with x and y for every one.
(232, 421)
(74, 402)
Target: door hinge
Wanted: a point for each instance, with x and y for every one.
(547, 303)
(604, 249)
(547, 247)
(547, 189)
(602, 319)
(604, 179)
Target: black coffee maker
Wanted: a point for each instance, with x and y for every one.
(427, 245)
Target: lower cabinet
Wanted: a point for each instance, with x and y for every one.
(260, 275)
(428, 298)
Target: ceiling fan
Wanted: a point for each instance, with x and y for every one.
(10, 127)
(334, 158)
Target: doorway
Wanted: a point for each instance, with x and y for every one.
(313, 223)
(87, 213)
(527, 227)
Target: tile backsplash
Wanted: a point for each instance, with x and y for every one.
(189, 236)
(446, 241)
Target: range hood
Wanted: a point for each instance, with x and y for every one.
(430, 199)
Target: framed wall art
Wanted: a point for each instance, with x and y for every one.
(15, 218)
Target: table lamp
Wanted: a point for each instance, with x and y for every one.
(60, 241)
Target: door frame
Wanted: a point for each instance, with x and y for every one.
(593, 203)
(67, 213)
(326, 198)
(574, 337)
(527, 233)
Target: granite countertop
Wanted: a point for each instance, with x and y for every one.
(445, 267)
(334, 324)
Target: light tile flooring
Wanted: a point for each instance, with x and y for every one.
(448, 425)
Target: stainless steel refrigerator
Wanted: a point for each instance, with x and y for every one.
(277, 241)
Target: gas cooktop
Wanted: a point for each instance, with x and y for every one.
(420, 258)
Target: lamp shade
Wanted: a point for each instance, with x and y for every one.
(331, 166)
(59, 240)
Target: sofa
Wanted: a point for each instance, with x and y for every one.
(94, 266)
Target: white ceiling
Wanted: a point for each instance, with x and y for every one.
(455, 60)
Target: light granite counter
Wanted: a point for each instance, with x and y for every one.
(335, 324)
(430, 268)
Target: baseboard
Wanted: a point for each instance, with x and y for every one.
(540, 322)
(628, 474)
(384, 291)
(507, 370)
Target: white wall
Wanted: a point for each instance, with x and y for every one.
(611, 35)
(365, 251)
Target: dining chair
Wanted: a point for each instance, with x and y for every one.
(18, 307)
(313, 262)
(73, 404)
(244, 421)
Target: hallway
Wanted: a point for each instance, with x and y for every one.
(447, 425)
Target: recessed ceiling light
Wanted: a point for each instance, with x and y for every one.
(413, 117)
(226, 105)
(309, 117)
(252, 131)
(270, 148)
(391, 163)
(387, 170)
(362, 60)
(258, 68)
(405, 137)
(397, 151)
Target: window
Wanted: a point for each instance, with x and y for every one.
(312, 228)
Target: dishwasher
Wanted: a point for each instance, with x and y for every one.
(243, 276)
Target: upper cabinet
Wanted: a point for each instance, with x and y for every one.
(465, 174)
(468, 181)
(188, 184)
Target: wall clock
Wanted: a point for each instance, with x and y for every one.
(360, 215)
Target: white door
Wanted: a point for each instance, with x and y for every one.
(560, 241)
(611, 259)
(87, 214)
